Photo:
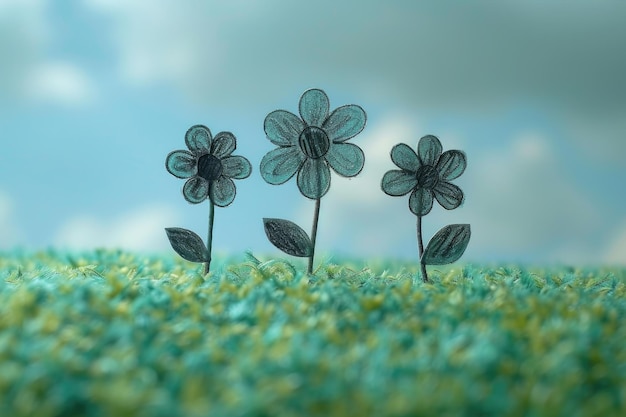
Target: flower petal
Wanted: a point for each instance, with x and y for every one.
(236, 167)
(196, 190)
(421, 201)
(222, 191)
(405, 158)
(283, 128)
(448, 195)
(344, 123)
(181, 164)
(397, 183)
(314, 178)
(346, 159)
(281, 164)
(451, 165)
(198, 139)
(224, 143)
(429, 149)
(314, 107)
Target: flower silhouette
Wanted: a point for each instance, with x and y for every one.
(309, 144)
(208, 166)
(426, 174)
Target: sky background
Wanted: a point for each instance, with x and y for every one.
(95, 93)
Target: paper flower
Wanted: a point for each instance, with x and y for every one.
(209, 166)
(209, 169)
(309, 145)
(425, 174)
(312, 143)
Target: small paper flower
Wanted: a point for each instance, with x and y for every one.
(209, 169)
(208, 166)
(309, 144)
(425, 174)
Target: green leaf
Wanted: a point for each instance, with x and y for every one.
(288, 237)
(187, 244)
(447, 245)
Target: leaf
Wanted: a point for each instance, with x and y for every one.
(447, 245)
(187, 244)
(288, 237)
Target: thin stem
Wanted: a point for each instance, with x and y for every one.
(209, 240)
(314, 234)
(420, 245)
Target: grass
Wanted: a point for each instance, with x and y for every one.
(110, 333)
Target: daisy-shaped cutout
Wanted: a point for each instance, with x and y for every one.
(313, 143)
(208, 166)
(426, 175)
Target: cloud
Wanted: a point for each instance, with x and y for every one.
(564, 59)
(524, 205)
(140, 229)
(27, 31)
(10, 235)
(473, 55)
(616, 252)
(23, 33)
(185, 44)
(59, 82)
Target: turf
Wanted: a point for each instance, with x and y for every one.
(110, 333)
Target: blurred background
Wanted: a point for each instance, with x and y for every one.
(95, 93)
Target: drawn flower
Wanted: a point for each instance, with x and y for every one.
(309, 144)
(426, 174)
(208, 166)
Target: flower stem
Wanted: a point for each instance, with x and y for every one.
(209, 240)
(314, 234)
(421, 248)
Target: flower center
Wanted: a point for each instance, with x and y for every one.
(314, 142)
(209, 167)
(427, 177)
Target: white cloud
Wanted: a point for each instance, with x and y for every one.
(162, 40)
(23, 33)
(59, 82)
(521, 202)
(484, 54)
(10, 236)
(140, 229)
(29, 70)
(600, 137)
(616, 252)
(418, 54)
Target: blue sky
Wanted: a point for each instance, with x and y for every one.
(94, 94)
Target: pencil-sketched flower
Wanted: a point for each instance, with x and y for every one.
(208, 166)
(309, 144)
(425, 174)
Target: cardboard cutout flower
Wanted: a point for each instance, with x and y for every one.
(208, 166)
(209, 169)
(426, 174)
(309, 144)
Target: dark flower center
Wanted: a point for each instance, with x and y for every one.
(314, 142)
(209, 167)
(427, 177)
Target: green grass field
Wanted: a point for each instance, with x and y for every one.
(109, 333)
